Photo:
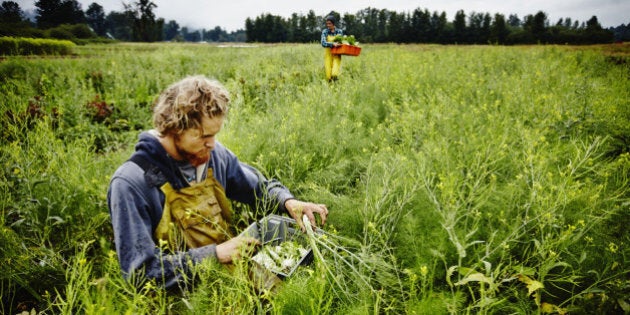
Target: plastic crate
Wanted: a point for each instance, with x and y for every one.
(273, 230)
(347, 50)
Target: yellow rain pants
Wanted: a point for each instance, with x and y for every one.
(332, 63)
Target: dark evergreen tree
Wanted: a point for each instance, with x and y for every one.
(300, 33)
(216, 34)
(421, 23)
(191, 36)
(171, 30)
(10, 12)
(514, 21)
(593, 25)
(499, 30)
(594, 33)
(538, 26)
(351, 25)
(438, 27)
(146, 28)
(396, 27)
(621, 33)
(313, 23)
(72, 12)
(250, 30)
(95, 17)
(381, 35)
(475, 24)
(119, 25)
(459, 27)
(51, 13)
(293, 26)
(267, 22)
(567, 23)
(484, 34)
(369, 16)
(279, 31)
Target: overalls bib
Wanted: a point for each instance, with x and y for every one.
(200, 215)
(195, 216)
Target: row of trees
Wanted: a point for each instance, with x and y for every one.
(137, 22)
(422, 26)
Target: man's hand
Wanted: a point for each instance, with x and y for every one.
(234, 248)
(298, 208)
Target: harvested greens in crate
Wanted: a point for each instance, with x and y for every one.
(284, 246)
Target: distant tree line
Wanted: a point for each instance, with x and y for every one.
(372, 25)
(137, 22)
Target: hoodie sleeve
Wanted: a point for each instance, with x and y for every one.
(135, 209)
(246, 184)
(268, 192)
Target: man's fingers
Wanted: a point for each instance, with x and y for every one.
(297, 209)
(301, 225)
(253, 241)
(311, 218)
(250, 244)
(323, 213)
(321, 210)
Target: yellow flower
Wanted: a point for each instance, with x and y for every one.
(163, 243)
(424, 271)
(148, 286)
(613, 248)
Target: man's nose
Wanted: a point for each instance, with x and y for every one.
(210, 143)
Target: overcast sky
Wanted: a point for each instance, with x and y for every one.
(231, 14)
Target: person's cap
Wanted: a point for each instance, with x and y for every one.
(331, 18)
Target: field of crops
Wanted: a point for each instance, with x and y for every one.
(459, 179)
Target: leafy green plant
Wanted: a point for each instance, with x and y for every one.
(346, 39)
(35, 46)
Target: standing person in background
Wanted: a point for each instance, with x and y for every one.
(169, 203)
(332, 63)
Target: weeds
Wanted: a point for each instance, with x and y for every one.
(499, 185)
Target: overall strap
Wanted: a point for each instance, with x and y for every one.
(152, 173)
(144, 164)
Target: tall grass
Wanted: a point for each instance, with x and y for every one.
(460, 179)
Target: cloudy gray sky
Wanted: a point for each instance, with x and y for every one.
(231, 14)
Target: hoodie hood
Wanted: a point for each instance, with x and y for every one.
(160, 166)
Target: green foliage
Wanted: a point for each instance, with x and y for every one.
(459, 179)
(345, 39)
(71, 32)
(35, 46)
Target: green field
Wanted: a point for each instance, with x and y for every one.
(459, 179)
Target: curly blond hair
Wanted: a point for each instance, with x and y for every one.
(182, 105)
